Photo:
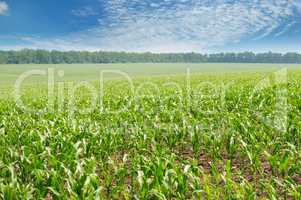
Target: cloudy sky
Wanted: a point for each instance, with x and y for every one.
(152, 25)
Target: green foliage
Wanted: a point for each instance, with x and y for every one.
(58, 57)
(164, 146)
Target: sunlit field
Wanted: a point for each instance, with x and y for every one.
(150, 131)
(9, 73)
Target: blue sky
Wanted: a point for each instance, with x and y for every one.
(152, 25)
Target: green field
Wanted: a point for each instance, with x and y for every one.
(224, 131)
(8, 73)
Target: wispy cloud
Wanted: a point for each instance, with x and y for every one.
(285, 29)
(198, 24)
(3, 7)
(84, 12)
(178, 25)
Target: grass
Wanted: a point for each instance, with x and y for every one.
(8, 73)
(206, 137)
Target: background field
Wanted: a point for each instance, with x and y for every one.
(9, 73)
(91, 72)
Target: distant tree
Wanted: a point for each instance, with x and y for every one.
(55, 57)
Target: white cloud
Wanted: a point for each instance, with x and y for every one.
(297, 4)
(84, 12)
(285, 29)
(173, 25)
(178, 25)
(3, 7)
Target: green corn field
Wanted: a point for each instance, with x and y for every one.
(219, 134)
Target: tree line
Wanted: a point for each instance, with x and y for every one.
(28, 56)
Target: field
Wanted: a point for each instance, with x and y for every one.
(154, 131)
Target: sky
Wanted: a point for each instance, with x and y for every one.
(204, 26)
